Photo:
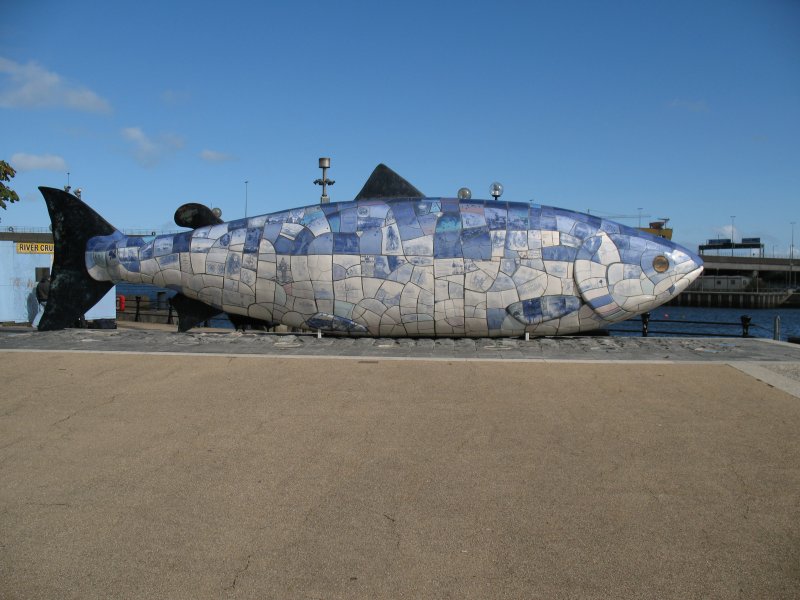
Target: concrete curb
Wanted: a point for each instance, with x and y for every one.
(770, 377)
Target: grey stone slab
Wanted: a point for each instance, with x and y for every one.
(563, 348)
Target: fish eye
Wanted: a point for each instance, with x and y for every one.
(660, 263)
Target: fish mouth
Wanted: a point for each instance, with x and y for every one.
(687, 280)
(697, 272)
(693, 275)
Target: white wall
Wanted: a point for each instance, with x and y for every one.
(18, 287)
(18, 283)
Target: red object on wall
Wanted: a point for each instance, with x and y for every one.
(121, 303)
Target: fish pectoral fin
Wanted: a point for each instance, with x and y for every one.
(328, 322)
(195, 215)
(385, 183)
(544, 308)
(191, 312)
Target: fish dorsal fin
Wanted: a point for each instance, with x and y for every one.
(194, 215)
(385, 183)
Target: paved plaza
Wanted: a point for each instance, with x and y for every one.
(215, 465)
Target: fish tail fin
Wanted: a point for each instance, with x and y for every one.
(72, 289)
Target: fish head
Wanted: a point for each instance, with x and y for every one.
(621, 272)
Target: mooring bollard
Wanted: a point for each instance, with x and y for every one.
(746, 325)
(645, 324)
(776, 328)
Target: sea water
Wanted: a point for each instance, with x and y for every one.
(670, 320)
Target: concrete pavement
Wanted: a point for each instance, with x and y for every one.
(211, 476)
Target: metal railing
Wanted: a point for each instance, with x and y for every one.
(23, 229)
(127, 231)
(744, 324)
(149, 232)
(152, 313)
(165, 313)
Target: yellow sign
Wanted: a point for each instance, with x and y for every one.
(34, 248)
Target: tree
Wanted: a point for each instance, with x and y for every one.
(6, 193)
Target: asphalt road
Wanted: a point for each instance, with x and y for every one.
(130, 475)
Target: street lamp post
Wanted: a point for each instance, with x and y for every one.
(791, 260)
(732, 238)
(324, 164)
(245, 197)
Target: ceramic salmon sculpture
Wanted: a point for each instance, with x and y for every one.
(391, 263)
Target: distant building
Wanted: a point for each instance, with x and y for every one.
(724, 283)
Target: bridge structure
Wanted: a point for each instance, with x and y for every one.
(773, 283)
(773, 270)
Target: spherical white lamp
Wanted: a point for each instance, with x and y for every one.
(496, 190)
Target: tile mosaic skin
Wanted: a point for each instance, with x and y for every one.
(411, 267)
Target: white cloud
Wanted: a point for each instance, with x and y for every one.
(697, 106)
(33, 86)
(31, 162)
(213, 156)
(726, 232)
(149, 151)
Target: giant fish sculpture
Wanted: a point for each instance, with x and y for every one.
(389, 263)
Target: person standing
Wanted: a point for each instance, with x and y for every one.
(42, 294)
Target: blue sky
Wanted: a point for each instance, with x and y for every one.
(687, 110)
